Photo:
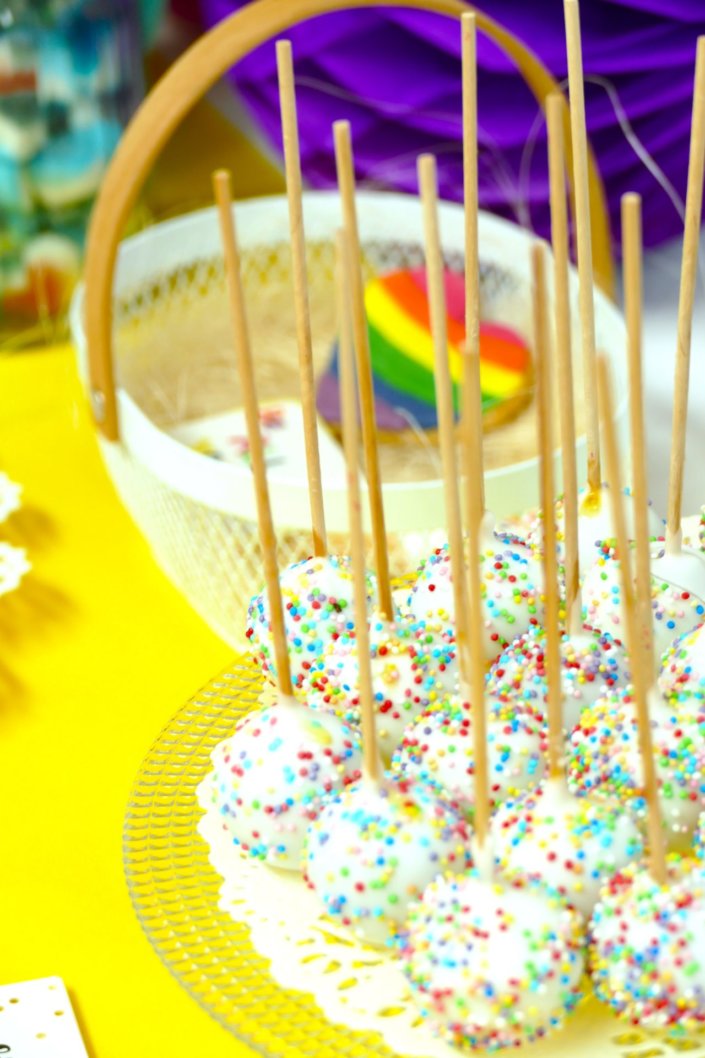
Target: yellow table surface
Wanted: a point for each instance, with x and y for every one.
(98, 652)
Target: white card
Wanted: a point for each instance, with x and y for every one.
(37, 1021)
(224, 437)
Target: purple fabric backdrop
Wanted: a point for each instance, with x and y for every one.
(395, 75)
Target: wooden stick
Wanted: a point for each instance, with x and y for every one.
(631, 249)
(583, 238)
(349, 410)
(640, 678)
(564, 360)
(542, 353)
(471, 421)
(241, 337)
(469, 675)
(346, 184)
(292, 166)
(689, 273)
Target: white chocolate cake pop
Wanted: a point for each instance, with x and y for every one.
(438, 747)
(272, 776)
(676, 609)
(647, 946)
(595, 524)
(402, 684)
(493, 965)
(376, 847)
(573, 844)
(604, 757)
(591, 664)
(511, 585)
(683, 666)
(317, 599)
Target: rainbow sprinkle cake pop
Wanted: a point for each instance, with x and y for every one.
(401, 682)
(572, 844)
(591, 663)
(676, 609)
(647, 946)
(604, 756)
(511, 592)
(438, 747)
(493, 965)
(375, 847)
(317, 597)
(271, 777)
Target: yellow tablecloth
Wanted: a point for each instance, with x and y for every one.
(98, 652)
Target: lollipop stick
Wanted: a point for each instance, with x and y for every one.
(471, 423)
(471, 676)
(292, 165)
(641, 679)
(559, 240)
(583, 238)
(444, 398)
(631, 250)
(371, 762)
(241, 337)
(689, 272)
(346, 183)
(542, 352)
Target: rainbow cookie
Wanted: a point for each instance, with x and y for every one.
(401, 351)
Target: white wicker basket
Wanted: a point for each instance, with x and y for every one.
(198, 513)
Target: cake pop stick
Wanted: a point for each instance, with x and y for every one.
(550, 561)
(268, 540)
(641, 677)
(468, 621)
(631, 252)
(372, 767)
(689, 269)
(292, 167)
(471, 423)
(444, 403)
(559, 242)
(346, 184)
(583, 238)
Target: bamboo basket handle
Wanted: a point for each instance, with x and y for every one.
(183, 85)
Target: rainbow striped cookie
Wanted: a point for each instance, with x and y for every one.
(401, 350)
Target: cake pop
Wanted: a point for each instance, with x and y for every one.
(683, 666)
(438, 747)
(591, 663)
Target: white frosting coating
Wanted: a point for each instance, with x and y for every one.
(571, 843)
(439, 747)
(647, 946)
(373, 849)
(591, 664)
(271, 777)
(493, 965)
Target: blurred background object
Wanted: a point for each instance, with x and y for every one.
(70, 79)
(395, 74)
